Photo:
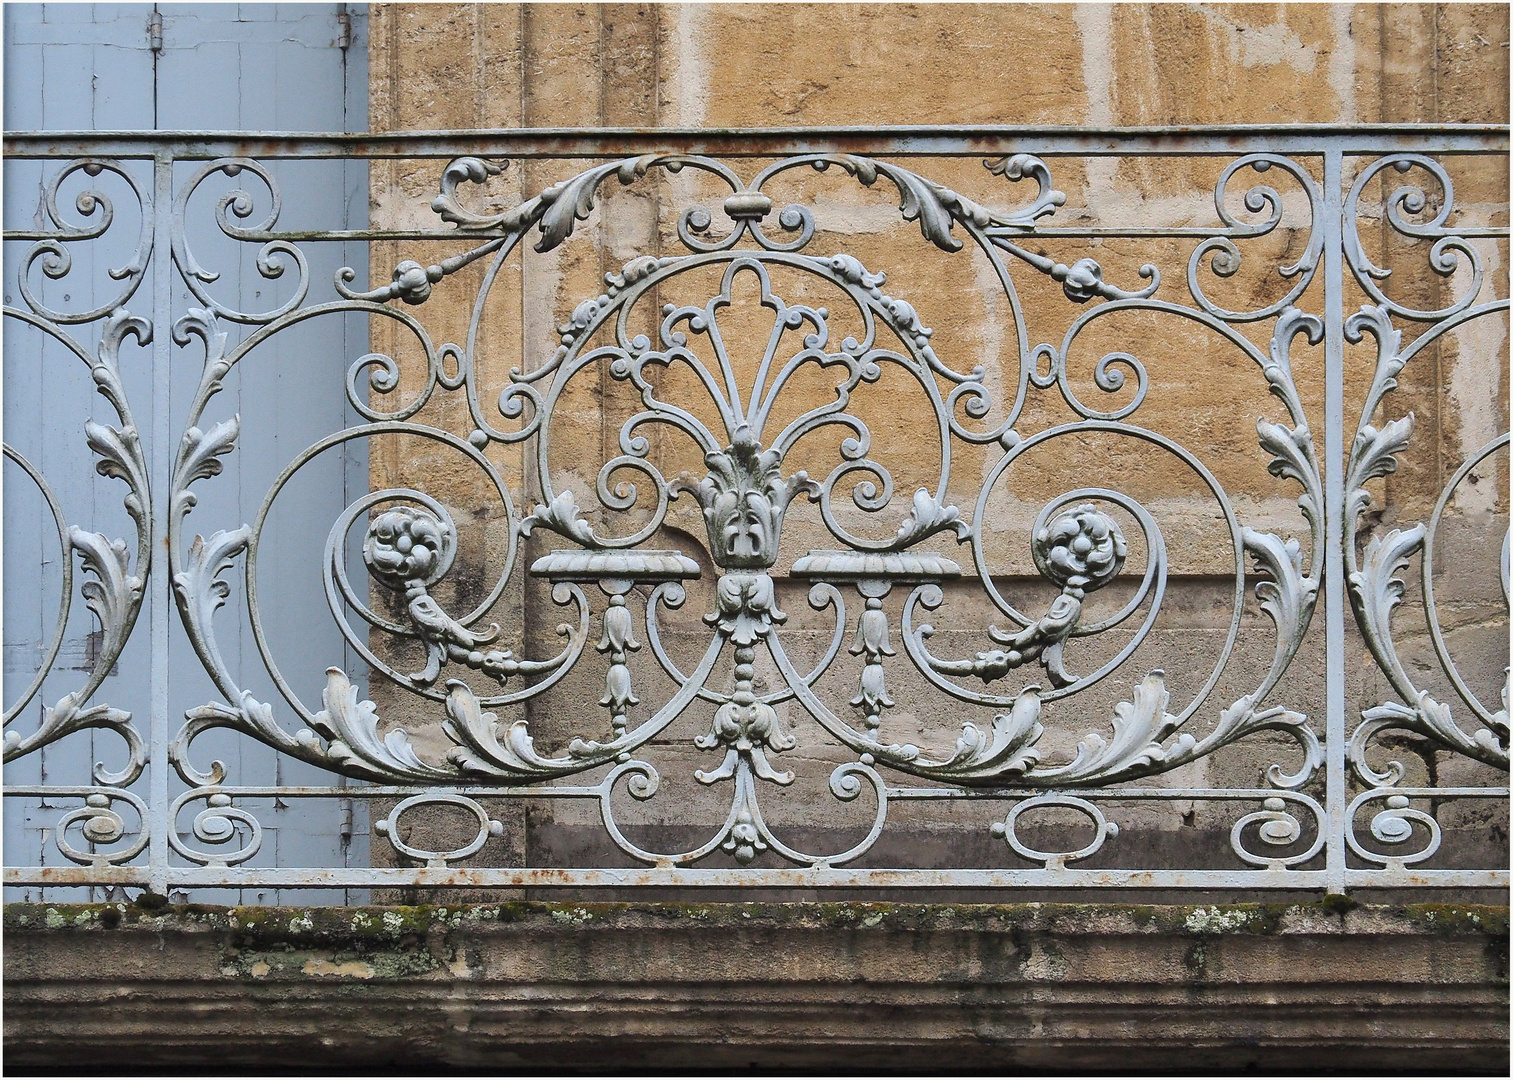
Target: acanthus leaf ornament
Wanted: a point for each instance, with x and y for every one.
(481, 753)
(198, 586)
(927, 517)
(116, 594)
(349, 727)
(199, 458)
(119, 451)
(933, 205)
(1292, 449)
(1374, 455)
(1017, 167)
(561, 515)
(570, 202)
(1245, 718)
(448, 206)
(1007, 751)
(1375, 590)
(68, 716)
(744, 497)
(1288, 598)
(1141, 726)
(1373, 452)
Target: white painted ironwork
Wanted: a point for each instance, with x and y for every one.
(1334, 817)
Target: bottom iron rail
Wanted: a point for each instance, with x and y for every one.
(511, 877)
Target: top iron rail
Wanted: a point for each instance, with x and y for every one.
(903, 141)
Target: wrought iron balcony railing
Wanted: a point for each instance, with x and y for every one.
(843, 599)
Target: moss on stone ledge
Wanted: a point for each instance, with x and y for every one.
(358, 926)
(1461, 918)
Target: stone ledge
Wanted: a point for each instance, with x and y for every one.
(883, 987)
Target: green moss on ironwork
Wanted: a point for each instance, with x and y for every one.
(1338, 903)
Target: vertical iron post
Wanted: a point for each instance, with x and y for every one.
(1334, 519)
(162, 463)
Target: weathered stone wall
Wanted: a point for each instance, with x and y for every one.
(499, 65)
(887, 988)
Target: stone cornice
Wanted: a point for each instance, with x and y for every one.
(620, 986)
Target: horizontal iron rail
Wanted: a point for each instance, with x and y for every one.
(912, 141)
(787, 877)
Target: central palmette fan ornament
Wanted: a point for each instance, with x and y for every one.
(744, 498)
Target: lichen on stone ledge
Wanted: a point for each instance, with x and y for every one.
(373, 924)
